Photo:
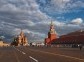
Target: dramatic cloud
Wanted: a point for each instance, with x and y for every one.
(29, 16)
(53, 7)
(77, 21)
(23, 14)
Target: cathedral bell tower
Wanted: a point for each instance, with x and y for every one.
(51, 34)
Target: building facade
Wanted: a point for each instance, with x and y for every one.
(20, 40)
(51, 35)
(3, 44)
(72, 38)
(76, 37)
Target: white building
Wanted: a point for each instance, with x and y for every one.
(3, 44)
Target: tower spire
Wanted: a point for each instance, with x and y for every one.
(51, 34)
(51, 22)
(52, 29)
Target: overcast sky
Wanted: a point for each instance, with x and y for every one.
(34, 16)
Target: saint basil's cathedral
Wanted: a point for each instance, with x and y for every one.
(20, 40)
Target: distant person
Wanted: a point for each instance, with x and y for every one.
(80, 47)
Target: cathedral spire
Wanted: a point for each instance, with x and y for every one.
(21, 33)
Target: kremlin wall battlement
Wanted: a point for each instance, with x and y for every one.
(76, 37)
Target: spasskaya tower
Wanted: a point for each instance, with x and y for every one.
(51, 34)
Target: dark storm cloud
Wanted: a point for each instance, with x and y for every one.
(25, 14)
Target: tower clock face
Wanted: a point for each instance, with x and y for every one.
(52, 30)
(52, 27)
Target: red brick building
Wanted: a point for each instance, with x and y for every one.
(76, 37)
(51, 34)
